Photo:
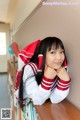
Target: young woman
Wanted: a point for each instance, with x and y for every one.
(45, 75)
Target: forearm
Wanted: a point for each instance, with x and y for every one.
(61, 91)
(36, 93)
(41, 93)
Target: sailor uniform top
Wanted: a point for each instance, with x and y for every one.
(55, 89)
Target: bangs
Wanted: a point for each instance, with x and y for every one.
(55, 45)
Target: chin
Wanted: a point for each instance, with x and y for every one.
(57, 67)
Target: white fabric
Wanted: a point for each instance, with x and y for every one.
(58, 95)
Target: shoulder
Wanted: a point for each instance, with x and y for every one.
(31, 67)
(30, 70)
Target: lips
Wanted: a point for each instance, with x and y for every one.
(58, 63)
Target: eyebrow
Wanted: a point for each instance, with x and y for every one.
(56, 49)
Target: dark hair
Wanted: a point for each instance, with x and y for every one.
(21, 101)
(46, 44)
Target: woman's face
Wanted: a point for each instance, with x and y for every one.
(55, 58)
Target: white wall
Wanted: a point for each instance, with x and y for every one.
(63, 22)
(23, 9)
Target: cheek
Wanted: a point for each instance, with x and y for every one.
(49, 60)
(63, 57)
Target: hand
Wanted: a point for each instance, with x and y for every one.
(49, 72)
(62, 74)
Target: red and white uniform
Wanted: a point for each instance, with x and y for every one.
(55, 89)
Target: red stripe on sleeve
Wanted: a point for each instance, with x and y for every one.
(63, 85)
(46, 83)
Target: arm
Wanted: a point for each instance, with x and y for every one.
(62, 89)
(60, 92)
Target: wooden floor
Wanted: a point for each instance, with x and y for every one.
(62, 111)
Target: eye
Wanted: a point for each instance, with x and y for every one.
(62, 51)
(53, 52)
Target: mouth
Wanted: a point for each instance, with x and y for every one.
(58, 63)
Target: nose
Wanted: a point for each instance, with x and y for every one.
(58, 56)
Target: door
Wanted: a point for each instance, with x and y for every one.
(4, 41)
